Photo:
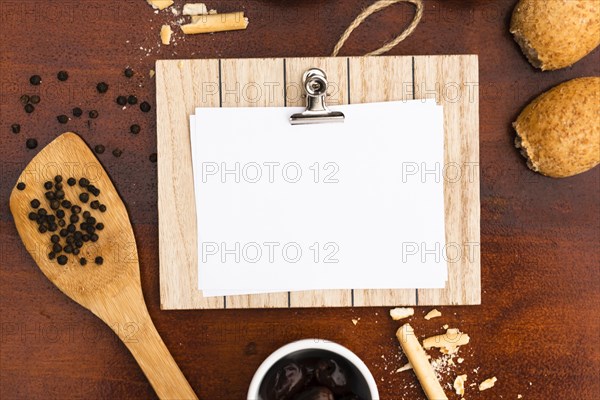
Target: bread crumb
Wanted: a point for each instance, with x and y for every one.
(406, 367)
(487, 384)
(355, 321)
(519, 396)
(401, 313)
(195, 9)
(165, 34)
(160, 4)
(433, 314)
(460, 360)
(445, 326)
(212, 12)
(151, 73)
(448, 343)
(459, 384)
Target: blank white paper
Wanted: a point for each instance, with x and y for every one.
(356, 205)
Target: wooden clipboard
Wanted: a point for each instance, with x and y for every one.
(183, 85)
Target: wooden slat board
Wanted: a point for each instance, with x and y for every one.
(183, 85)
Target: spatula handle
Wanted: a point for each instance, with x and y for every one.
(157, 363)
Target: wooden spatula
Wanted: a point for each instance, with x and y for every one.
(112, 291)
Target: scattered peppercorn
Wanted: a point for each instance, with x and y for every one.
(135, 129)
(99, 149)
(84, 197)
(93, 114)
(94, 205)
(62, 259)
(58, 178)
(132, 100)
(51, 255)
(121, 100)
(62, 76)
(145, 107)
(21, 186)
(29, 108)
(102, 208)
(16, 128)
(77, 112)
(35, 80)
(35, 99)
(99, 260)
(24, 99)
(35, 203)
(60, 213)
(102, 87)
(82, 261)
(31, 143)
(71, 181)
(48, 185)
(63, 119)
(117, 152)
(128, 72)
(153, 157)
(99, 226)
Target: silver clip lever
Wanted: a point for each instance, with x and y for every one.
(315, 85)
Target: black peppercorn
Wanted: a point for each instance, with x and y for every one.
(99, 226)
(78, 243)
(42, 211)
(63, 232)
(48, 185)
(31, 144)
(62, 260)
(102, 87)
(35, 80)
(86, 214)
(33, 216)
(68, 249)
(82, 261)
(74, 218)
(61, 222)
(93, 190)
(54, 204)
(117, 152)
(121, 100)
(42, 229)
(95, 204)
(24, 99)
(35, 203)
(145, 107)
(63, 119)
(59, 194)
(153, 157)
(132, 100)
(21, 186)
(60, 214)
(99, 149)
(78, 235)
(93, 114)
(99, 260)
(128, 72)
(50, 195)
(62, 76)
(85, 237)
(57, 248)
(16, 128)
(71, 181)
(84, 197)
(94, 238)
(35, 99)
(29, 108)
(75, 209)
(135, 129)
(58, 186)
(77, 112)
(55, 238)
(83, 182)
(71, 228)
(51, 255)
(52, 227)
(66, 204)
(102, 208)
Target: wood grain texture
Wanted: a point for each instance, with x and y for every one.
(265, 82)
(112, 291)
(535, 329)
(454, 82)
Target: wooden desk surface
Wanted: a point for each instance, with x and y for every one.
(536, 330)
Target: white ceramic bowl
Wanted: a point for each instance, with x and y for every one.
(309, 346)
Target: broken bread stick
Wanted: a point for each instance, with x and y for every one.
(216, 23)
(449, 342)
(418, 359)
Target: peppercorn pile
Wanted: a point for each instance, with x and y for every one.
(67, 224)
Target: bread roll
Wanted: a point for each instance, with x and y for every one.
(555, 34)
(559, 132)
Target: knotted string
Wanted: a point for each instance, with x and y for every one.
(372, 9)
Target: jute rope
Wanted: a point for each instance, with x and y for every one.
(372, 9)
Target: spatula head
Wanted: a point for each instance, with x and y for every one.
(70, 157)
